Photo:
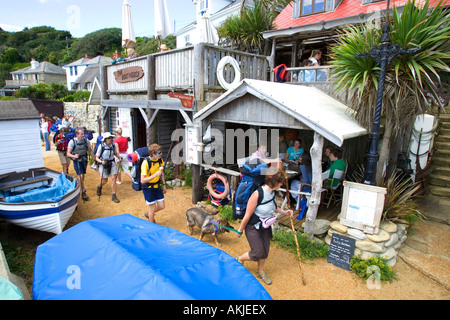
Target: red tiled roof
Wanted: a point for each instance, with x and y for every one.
(347, 8)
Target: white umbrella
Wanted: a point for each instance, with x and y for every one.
(208, 33)
(163, 27)
(128, 36)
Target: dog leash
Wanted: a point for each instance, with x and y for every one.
(231, 229)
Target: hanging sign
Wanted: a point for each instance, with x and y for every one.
(185, 99)
(129, 74)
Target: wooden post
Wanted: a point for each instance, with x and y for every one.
(151, 95)
(314, 201)
(197, 186)
(104, 124)
(199, 72)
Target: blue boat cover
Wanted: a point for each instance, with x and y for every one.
(124, 257)
(54, 193)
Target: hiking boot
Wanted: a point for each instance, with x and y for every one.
(99, 190)
(114, 198)
(265, 278)
(84, 196)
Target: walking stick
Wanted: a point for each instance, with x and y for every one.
(295, 233)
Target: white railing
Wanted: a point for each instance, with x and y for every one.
(309, 74)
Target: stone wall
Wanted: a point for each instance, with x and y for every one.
(85, 115)
(386, 243)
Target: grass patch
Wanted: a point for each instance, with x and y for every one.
(309, 250)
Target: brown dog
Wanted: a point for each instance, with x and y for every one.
(199, 218)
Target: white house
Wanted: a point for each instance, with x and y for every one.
(217, 11)
(75, 69)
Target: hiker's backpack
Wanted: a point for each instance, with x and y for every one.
(280, 72)
(97, 144)
(62, 146)
(252, 179)
(136, 168)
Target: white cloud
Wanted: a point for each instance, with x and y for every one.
(9, 28)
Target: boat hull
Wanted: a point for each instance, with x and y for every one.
(43, 216)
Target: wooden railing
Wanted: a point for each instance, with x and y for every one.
(193, 68)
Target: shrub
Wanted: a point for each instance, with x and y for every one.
(363, 269)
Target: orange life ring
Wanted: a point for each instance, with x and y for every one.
(211, 189)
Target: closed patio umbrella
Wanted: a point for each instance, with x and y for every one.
(163, 27)
(208, 33)
(128, 36)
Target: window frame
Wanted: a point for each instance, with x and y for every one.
(298, 9)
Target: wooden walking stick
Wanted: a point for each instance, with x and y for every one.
(295, 233)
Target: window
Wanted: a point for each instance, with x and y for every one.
(203, 5)
(306, 7)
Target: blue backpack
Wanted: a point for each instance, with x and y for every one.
(251, 181)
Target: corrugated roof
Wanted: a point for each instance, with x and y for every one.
(310, 106)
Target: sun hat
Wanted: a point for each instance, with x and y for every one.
(107, 135)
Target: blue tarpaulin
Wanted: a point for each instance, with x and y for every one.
(54, 193)
(124, 257)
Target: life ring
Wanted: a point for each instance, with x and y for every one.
(237, 72)
(211, 189)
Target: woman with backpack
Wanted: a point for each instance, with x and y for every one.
(258, 220)
(61, 146)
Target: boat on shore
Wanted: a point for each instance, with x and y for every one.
(40, 199)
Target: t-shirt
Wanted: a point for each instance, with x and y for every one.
(336, 165)
(154, 168)
(294, 155)
(122, 142)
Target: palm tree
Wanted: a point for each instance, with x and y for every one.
(244, 32)
(409, 77)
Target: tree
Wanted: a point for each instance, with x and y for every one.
(245, 31)
(408, 77)
(98, 43)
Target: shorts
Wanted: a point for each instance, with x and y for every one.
(259, 242)
(113, 172)
(124, 164)
(63, 158)
(153, 195)
(80, 166)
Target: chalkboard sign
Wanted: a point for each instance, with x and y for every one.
(341, 251)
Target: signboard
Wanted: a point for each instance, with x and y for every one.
(186, 100)
(362, 206)
(193, 145)
(341, 251)
(129, 74)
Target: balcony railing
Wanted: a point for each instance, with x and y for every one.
(21, 82)
(310, 74)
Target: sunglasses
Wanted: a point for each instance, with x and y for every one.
(159, 152)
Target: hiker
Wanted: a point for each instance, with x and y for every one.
(108, 166)
(122, 145)
(153, 181)
(61, 147)
(77, 150)
(256, 223)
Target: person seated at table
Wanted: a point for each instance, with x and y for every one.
(294, 153)
(337, 164)
(260, 153)
(306, 177)
(326, 163)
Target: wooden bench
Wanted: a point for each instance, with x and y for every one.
(26, 182)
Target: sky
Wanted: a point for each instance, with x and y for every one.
(81, 17)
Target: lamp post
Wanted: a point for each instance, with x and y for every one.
(383, 54)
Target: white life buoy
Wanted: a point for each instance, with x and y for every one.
(211, 189)
(237, 72)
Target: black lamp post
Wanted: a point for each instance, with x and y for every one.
(383, 54)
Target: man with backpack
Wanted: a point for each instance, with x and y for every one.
(153, 181)
(78, 150)
(108, 166)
